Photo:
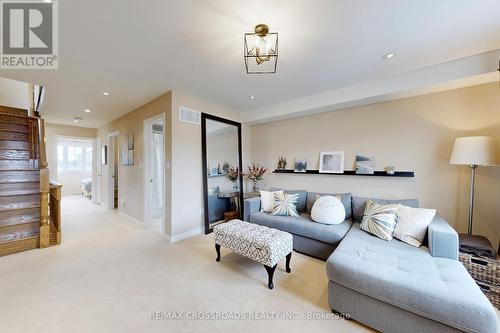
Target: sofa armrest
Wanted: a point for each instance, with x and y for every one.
(442, 239)
(250, 206)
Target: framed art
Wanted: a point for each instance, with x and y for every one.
(300, 165)
(331, 162)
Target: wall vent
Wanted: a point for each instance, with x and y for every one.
(189, 116)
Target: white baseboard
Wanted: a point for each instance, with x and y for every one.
(133, 219)
(184, 235)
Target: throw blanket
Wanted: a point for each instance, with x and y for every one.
(477, 246)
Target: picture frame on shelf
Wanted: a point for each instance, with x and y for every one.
(331, 162)
(365, 165)
(300, 165)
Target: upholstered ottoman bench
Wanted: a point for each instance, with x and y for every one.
(261, 244)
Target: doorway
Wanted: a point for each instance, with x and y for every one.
(74, 165)
(113, 174)
(154, 174)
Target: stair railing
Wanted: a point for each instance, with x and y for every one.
(39, 158)
(55, 210)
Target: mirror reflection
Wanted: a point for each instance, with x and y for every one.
(223, 172)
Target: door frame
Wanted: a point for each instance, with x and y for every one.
(147, 170)
(97, 171)
(111, 168)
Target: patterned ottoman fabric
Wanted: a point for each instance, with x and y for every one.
(262, 244)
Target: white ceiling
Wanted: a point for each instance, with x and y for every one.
(138, 50)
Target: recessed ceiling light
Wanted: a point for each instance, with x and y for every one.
(252, 97)
(77, 119)
(106, 93)
(47, 1)
(87, 110)
(389, 55)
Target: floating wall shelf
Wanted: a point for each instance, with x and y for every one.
(408, 174)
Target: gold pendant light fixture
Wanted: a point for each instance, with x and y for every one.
(261, 51)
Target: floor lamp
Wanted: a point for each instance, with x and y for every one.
(473, 151)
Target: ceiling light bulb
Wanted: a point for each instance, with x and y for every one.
(389, 55)
(106, 93)
(252, 97)
(87, 110)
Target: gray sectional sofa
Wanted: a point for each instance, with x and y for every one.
(389, 286)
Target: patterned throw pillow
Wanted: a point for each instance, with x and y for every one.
(380, 220)
(285, 204)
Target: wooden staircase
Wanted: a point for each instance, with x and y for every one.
(25, 219)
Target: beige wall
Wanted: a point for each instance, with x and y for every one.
(184, 189)
(187, 183)
(411, 134)
(131, 176)
(52, 131)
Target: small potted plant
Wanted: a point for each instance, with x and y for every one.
(233, 174)
(255, 173)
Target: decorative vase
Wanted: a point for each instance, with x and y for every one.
(255, 187)
(390, 170)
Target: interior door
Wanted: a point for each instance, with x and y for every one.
(155, 174)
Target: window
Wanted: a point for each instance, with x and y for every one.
(74, 155)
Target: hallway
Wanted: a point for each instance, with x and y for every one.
(110, 273)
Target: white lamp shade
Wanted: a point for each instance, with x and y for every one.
(474, 150)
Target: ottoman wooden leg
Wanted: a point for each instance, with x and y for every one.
(270, 273)
(217, 249)
(288, 258)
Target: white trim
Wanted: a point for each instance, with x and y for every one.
(111, 166)
(132, 219)
(147, 123)
(97, 172)
(184, 235)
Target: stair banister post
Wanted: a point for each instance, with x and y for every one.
(44, 187)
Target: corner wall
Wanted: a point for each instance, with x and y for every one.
(130, 177)
(411, 134)
(187, 181)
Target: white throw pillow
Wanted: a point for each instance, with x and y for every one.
(412, 224)
(328, 210)
(267, 200)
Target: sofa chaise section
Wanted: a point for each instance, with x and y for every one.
(395, 287)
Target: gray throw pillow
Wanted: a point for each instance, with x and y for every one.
(359, 205)
(301, 203)
(380, 220)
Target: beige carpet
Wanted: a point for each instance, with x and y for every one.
(110, 274)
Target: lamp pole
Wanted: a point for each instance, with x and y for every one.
(473, 168)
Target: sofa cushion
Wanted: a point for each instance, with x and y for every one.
(285, 204)
(379, 220)
(411, 279)
(359, 204)
(328, 210)
(304, 226)
(344, 197)
(301, 203)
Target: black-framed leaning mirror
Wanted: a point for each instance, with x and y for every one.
(222, 165)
